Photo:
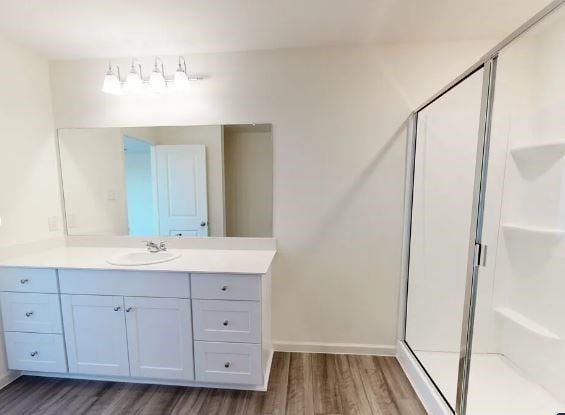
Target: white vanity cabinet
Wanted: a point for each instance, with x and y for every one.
(95, 334)
(31, 318)
(194, 329)
(159, 338)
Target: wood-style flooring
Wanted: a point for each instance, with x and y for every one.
(319, 384)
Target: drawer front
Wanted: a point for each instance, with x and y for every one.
(228, 363)
(126, 283)
(36, 352)
(36, 313)
(226, 286)
(28, 280)
(227, 321)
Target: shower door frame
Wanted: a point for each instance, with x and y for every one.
(476, 253)
(481, 162)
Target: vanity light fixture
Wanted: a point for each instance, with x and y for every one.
(157, 82)
(181, 76)
(134, 81)
(112, 83)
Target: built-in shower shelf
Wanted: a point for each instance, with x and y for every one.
(525, 323)
(549, 151)
(534, 230)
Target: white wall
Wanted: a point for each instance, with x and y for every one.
(339, 142)
(29, 190)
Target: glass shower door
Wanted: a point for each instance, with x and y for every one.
(443, 226)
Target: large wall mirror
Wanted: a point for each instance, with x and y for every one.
(186, 181)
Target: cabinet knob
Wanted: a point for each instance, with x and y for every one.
(225, 288)
(227, 364)
(29, 314)
(24, 281)
(128, 309)
(225, 322)
(33, 354)
(117, 308)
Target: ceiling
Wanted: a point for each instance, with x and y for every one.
(76, 29)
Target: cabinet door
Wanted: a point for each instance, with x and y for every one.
(95, 334)
(159, 337)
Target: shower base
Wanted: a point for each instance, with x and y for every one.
(496, 386)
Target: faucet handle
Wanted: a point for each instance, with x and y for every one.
(163, 246)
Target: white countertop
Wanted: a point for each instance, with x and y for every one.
(191, 260)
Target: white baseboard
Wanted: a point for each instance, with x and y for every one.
(429, 396)
(334, 348)
(9, 378)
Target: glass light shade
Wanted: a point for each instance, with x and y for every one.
(157, 83)
(112, 84)
(181, 80)
(134, 83)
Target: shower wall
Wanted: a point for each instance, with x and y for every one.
(525, 211)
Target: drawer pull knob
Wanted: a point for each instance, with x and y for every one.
(128, 309)
(33, 354)
(24, 281)
(226, 322)
(225, 288)
(29, 314)
(227, 365)
(117, 308)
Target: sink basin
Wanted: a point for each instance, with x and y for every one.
(142, 258)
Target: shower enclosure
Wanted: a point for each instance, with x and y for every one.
(484, 329)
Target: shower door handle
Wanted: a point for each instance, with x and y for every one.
(481, 255)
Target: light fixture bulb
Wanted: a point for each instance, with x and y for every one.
(181, 82)
(134, 83)
(112, 83)
(157, 83)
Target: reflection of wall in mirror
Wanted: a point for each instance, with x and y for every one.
(93, 176)
(248, 154)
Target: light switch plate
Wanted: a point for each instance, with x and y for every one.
(112, 195)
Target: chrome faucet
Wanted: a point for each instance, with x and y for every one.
(154, 248)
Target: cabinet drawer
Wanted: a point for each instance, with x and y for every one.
(229, 321)
(126, 283)
(37, 313)
(35, 352)
(226, 286)
(28, 280)
(228, 363)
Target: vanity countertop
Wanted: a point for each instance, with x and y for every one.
(191, 260)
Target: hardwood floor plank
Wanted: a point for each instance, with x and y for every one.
(71, 398)
(376, 387)
(327, 398)
(353, 397)
(300, 396)
(300, 384)
(190, 402)
(273, 402)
